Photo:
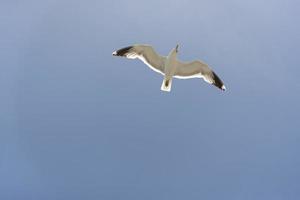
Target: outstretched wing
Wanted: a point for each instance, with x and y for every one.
(146, 54)
(199, 69)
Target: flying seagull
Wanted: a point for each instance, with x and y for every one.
(170, 66)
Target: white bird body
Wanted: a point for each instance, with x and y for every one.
(169, 66)
(169, 70)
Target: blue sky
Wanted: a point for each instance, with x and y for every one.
(77, 123)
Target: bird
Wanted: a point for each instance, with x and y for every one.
(169, 66)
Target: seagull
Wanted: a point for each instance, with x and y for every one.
(169, 66)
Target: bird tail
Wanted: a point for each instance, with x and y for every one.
(166, 85)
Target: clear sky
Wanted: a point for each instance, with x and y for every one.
(77, 123)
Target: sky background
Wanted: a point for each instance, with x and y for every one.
(77, 123)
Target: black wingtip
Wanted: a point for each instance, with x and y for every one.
(218, 83)
(122, 52)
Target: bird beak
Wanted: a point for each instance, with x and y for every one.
(177, 46)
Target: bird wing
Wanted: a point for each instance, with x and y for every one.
(198, 69)
(146, 54)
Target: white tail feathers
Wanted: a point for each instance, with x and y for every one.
(166, 85)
